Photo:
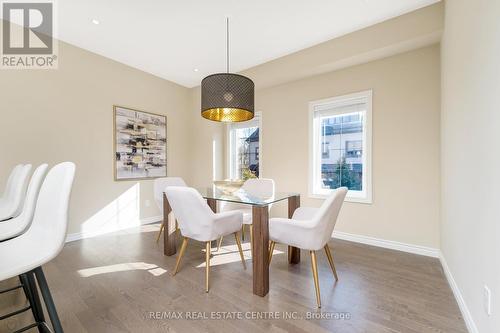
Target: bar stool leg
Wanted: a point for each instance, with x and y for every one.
(31, 293)
(49, 302)
(37, 305)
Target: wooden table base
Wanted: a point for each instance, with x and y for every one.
(260, 246)
(293, 252)
(212, 203)
(169, 231)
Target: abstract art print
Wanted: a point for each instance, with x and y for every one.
(140, 144)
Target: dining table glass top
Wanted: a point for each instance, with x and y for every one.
(244, 197)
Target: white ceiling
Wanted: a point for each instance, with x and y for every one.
(171, 38)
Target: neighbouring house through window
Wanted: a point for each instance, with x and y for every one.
(244, 149)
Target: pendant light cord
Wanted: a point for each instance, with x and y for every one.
(227, 44)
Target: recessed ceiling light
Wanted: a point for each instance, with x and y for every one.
(95, 21)
(196, 69)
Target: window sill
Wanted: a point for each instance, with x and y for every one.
(367, 201)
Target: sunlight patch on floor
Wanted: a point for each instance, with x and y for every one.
(157, 271)
(130, 266)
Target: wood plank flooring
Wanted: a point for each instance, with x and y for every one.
(113, 283)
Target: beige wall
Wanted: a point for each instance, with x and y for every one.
(470, 233)
(66, 114)
(406, 115)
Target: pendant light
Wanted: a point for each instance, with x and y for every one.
(227, 97)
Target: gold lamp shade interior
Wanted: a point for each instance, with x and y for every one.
(227, 114)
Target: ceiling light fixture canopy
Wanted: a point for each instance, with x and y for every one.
(227, 97)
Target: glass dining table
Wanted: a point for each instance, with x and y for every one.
(260, 220)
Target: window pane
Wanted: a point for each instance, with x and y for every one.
(245, 153)
(342, 151)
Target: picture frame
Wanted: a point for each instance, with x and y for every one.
(139, 144)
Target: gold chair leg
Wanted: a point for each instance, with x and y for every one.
(207, 263)
(271, 250)
(238, 242)
(162, 226)
(243, 232)
(314, 265)
(181, 253)
(219, 244)
(330, 260)
(251, 239)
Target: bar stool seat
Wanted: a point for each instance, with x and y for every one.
(10, 181)
(11, 204)
(17, 225)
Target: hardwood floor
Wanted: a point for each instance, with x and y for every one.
(114, 282)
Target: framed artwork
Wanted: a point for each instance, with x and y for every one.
(140, 144)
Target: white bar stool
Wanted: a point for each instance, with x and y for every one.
(24, 255)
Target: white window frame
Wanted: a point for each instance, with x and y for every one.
(257, 120)
(329, 105)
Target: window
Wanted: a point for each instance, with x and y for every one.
(244, 149)
(340, 146)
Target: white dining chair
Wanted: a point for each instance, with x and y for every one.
(198, 222)
(12, 203)
(24, 255)
(259, 187)
(16, 226)
(159, 186)
(10, 180)
(309, 229)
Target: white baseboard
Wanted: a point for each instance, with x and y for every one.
(388, 244)
(80, 235)
(469, 322)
